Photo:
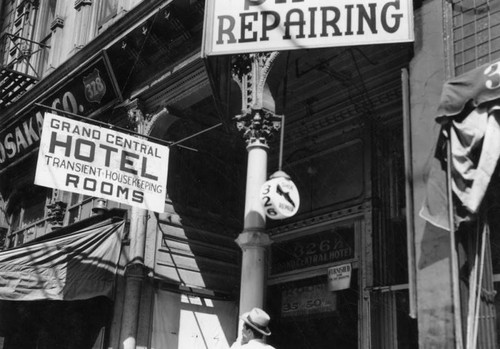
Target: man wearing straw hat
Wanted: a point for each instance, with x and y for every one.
(255, 329)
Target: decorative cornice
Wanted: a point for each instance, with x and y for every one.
(338, 215)
(80, 3)
(58, 22)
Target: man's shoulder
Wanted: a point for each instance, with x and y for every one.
(258, 345)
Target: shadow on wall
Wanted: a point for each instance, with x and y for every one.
(435, 246)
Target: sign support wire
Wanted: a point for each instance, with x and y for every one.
(110, 126)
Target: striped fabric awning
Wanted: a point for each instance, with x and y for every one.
(80, 265)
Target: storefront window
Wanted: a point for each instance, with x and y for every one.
(305, 314)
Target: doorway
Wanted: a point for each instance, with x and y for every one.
(305, 314)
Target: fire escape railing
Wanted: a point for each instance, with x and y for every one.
(13, 82)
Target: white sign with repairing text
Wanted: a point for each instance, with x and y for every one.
(245, 26)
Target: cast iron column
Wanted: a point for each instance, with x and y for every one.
(258, 123)
(135, 272)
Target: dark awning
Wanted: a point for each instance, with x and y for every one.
(471, 89)
(80, 265)
(470, 103)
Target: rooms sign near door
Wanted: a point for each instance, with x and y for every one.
(244, 26)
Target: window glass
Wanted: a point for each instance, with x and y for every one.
(107, 10)
(26, 207)
(49, 17)
(34, 210)
(307, 315)
(46, 35)
(80, 207)
(15, 219)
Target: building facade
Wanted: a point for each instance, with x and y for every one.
(359, 131)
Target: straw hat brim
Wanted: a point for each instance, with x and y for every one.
(262, 329)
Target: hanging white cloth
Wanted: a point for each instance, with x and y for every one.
(470, 104)
(475, 149)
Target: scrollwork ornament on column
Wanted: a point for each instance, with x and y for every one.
(250, 72)
(137, 119)
(258, 125)
(55, 213)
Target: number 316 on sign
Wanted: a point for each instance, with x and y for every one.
(280, 197)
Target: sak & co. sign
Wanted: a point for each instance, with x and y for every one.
(78, 157)
(86, 93)
(244, 26)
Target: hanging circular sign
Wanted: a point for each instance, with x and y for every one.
(280, 196)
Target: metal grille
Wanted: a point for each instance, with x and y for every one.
(476, 33)
(12, 85)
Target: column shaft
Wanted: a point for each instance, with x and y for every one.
(253, 240)
(136, 271)
(255, 218)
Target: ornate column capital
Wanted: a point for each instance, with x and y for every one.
(142, 122)
(139, 121)
(257, 122)
(135, 115)
(258, 126)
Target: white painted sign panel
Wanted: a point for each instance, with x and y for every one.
(339, 277)
(91, 160)
(280, 198)
(244, 26)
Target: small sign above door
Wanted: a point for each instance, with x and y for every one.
(339, 277)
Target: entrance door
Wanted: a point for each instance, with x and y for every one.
(305, 314)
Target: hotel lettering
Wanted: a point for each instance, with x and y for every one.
(91, 160)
